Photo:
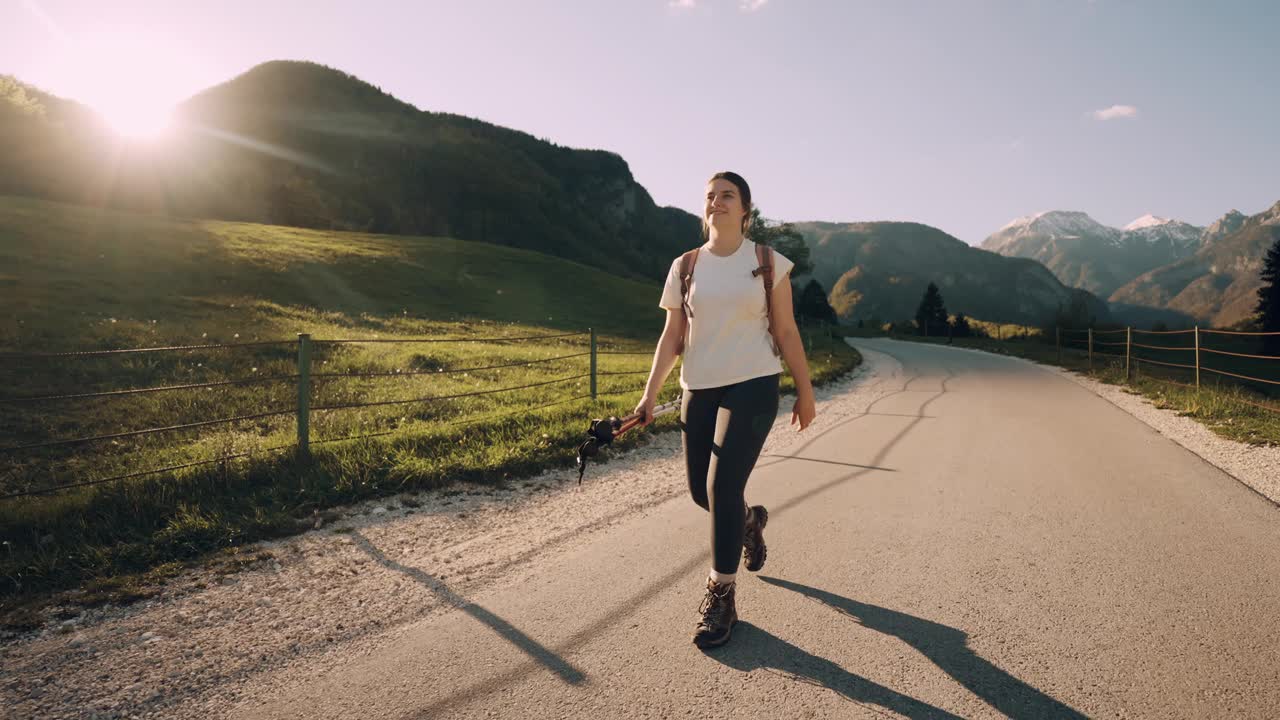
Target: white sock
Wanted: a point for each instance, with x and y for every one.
(722, 578)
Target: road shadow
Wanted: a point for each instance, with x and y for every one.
(947, 648)
(535, 650)
(827, 462)
(754, 648)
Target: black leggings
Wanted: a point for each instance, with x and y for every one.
(724, 429)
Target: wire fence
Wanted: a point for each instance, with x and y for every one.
(303, 409)
(1253, 362)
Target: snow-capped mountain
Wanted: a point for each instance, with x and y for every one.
(1147, 221)
(1183, 238)
(1051, 225)
(1084, 253)
(1218, 284)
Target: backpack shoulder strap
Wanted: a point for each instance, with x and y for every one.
(687, 263)
(764, 256)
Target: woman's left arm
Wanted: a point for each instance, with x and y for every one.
(787, 335)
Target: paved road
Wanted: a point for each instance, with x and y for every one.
(991, 540)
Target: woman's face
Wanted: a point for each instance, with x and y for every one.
(723, 206)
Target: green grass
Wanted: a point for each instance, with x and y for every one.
(1227, 408)
(82, 279)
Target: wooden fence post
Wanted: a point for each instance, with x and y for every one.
(1090, 349)
(304, 394)
(1128, 347)
(593, 363)
(1197, 357)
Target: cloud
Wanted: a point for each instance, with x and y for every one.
(682, 4)
(751, 5)
(1115, 111)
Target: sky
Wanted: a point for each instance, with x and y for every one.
(960, 114)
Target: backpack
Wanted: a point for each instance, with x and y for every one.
(764, 256)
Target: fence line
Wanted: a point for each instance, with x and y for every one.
(446, 340)
(1133, 358)
(304, 409)
(1242, 377)
(1234, 332)
(1243, 355)
(223, 458)
(1157, 362)
(148, 431)
(129, 351)
(446, 372)
(348, 406)
(139, 391)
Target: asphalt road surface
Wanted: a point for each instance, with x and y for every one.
(990, 541)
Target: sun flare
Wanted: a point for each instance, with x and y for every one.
(131, 77)
(136, 120)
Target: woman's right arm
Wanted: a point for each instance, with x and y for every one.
(664, 359)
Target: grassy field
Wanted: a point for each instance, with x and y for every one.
(1225, 405)
(81, 279)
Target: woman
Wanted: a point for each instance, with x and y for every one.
(730, 379)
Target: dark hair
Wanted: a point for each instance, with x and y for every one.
(744, 190)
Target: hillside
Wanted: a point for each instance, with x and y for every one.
(299, 144)
(881, 269)
(1218, 285)
(72, 277)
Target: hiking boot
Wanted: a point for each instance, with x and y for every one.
(753, 549)
(719, 615)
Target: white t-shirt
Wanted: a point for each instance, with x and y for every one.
(728, 338)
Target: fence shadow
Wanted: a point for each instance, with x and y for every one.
(535, 650)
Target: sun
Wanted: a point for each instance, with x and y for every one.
(131, 77)
(136, 120)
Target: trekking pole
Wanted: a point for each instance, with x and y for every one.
(603, 432)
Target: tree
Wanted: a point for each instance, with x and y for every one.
(1269, 297)
(781, 237)
(931, 315)
(960, 328)
(812, 304)
(1076, 316)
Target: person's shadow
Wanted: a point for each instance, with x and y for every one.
(752, 648)
(945, 646)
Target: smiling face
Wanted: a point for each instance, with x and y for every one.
(723, 206)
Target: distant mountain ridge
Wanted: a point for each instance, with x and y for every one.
(881, 269)
(1084, 253)
(1218, 284)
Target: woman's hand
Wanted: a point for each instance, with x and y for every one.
(804, 411)
(645, 409)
